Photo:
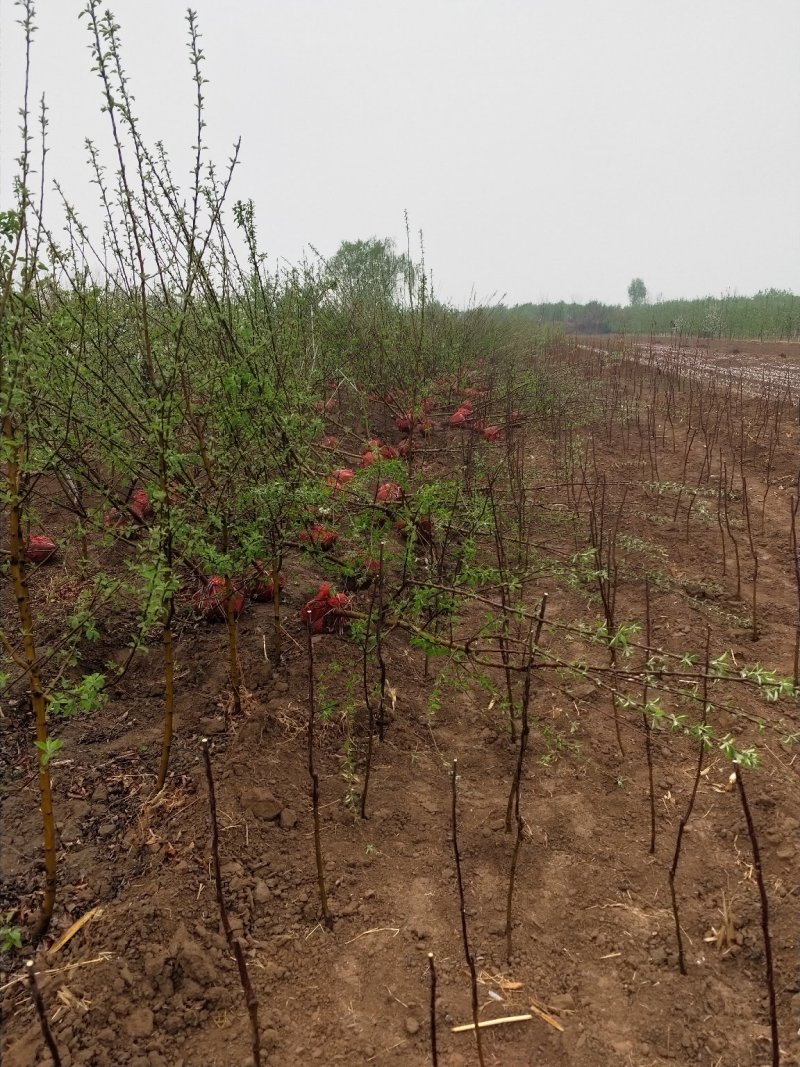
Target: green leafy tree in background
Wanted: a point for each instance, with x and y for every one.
(372, 272)
(637, 292)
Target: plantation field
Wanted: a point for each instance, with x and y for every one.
(754, 362)
(613, 568)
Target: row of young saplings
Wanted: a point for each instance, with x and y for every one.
(215, 599)
(220, 599)
(529, 652)
(732, 452)
(234, 945)
(310, 620)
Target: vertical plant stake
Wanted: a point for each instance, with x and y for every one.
(646, 719)
(515, 788)
(432, 972)
(379, 648)
(367, 698)
(464, 935)
(754, 556)
(277, 650)
(762, 889)
(169, 692)
(323, 896)
(47, 1033)
(233, 943)
(794, 543)
(701, 750)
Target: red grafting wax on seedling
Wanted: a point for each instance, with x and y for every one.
(423, 528)
(404, 422)
(360, 574)
(458, 418)
(212, 603)
(405, 448)
(141, 507)
(491, 433)
(329, 441)
(375, 450)
(382, 452)
(338, 479)
(389, 493)
(39, 549)
(261, 587)
(320, 536)
(115, 517)
(323, 612)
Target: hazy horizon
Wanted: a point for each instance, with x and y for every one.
(548, 151)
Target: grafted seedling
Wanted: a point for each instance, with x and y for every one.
(516, 786)
(233, 942)
(470, 959)
(327, 917)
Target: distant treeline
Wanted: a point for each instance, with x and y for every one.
(768, 316)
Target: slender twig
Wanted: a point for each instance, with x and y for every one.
(276, 613)
(40, 1011)
(502, 636)
(323, 896)
(734, 542)
(754, 555)
(464, 934)
(379, 647)
(367, 698)
(168, 651)
(515, 789)
(762, 889)
(794, 543)
(233, 942)
(432, 970)
(648, 725)
(701, 749)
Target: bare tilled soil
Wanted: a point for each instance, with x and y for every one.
(753, 363)
(149, 980)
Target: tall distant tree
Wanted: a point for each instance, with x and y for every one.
(637, 292)
(372, 271)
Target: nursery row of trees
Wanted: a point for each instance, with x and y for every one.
(160, 391)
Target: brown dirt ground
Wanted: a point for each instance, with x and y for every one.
(150, 983)
(754, 361)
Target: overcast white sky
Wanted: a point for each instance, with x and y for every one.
(549, 149)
